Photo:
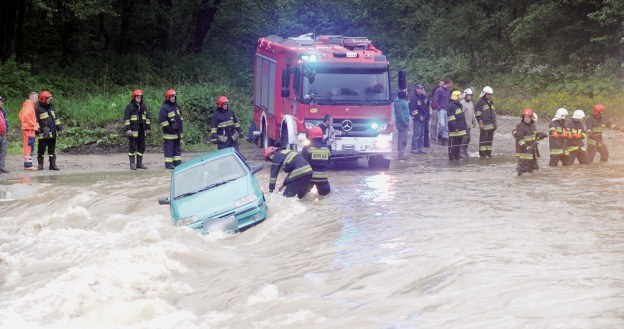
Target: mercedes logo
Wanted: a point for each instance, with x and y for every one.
(347, 125)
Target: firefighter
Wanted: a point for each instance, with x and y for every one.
(30, 128)
(596, 125)
(317, 154)
(170, 120)
(486, 117)
(576, 147)
(558, 139)
(49, 127)
(526, 136)
(456, 126)
(225, 129)
(137, 123)
(298, 169)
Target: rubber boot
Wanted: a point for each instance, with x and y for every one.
(139, 162)
(132, 163)
(40, 162)
(53, 163)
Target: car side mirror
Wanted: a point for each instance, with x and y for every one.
(164, 200)
(257, 168)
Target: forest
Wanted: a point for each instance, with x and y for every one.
(90, 54)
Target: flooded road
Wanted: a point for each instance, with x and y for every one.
(426, 244)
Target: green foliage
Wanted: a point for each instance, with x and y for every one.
(15, 79)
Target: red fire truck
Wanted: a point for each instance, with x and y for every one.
(298, 80)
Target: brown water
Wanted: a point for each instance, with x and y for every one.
(426, 244)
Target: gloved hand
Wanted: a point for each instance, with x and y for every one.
(541, 136)
(59, 128)
(129, 133)
(578, 136)
(174, 125)
(481, 126)
(564, 134)
(235, 136)
(46, 130)
(555, 135)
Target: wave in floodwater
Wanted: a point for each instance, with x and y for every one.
(426, 244)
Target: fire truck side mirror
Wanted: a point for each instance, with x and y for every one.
(285, 83)
(402, 80)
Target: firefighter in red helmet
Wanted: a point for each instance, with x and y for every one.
(317, 155)
(298, 169)
(137, 123)
(527, 136)
(225, 129)
(49, 127)
(596, 125)
(170, 120)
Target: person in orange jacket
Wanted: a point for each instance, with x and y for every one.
(30, 128)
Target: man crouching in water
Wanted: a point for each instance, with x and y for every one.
(298, 169)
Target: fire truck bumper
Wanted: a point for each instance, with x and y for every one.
(356, 147)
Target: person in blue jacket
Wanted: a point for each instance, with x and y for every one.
(402, 117)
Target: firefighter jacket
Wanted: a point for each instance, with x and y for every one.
(419, 107)
(595, 127)
(292, 162)
(136, 117)
(456, 120)
(171, 121)
(578, 134)
(317, 155)
(526, 136)
(49, 124)
(484, 112)
(514, 132)
(559, 145)
(224, 126)
(28, 117)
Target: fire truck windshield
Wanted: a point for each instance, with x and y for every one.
(347, 86)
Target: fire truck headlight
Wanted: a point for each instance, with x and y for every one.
(313, 58)
(383, 142)
(379, 127)
(374, 125)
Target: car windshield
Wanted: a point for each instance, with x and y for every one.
(344, 87)
(207, 175)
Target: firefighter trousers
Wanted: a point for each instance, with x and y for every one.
(136, 145)
(322, 186)
(173, 153)
(485, 142)
(46, 143)
(298, 186)
(600, 148)
(578, 154)
(554, 160)
(29, 147)
(454, 147)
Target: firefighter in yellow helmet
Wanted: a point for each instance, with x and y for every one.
(456, 126)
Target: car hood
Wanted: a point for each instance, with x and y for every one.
(214, 202)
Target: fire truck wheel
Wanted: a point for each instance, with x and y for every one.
(265, 141)
(378, 162)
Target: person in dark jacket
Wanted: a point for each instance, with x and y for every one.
(170, 119)
(576, 147)
(456, 126)
(401, 115)
(419, 110)
(442, 97)
(559, 135)
(225, 129)
(49, 126)
(329, 134)
(526, 136)
(4, 130)
(137, 123)
(486, 117)
(298, 169)
(317, 155)
(596, 125)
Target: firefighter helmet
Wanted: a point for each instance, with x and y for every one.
(135, 93)
(170, 93)
(488, 90)
(468, 91)
(44, 95)
(315, 132)
(599, 109)
(561, 114)
(222, 99)
(455, 95)
(578, 114)
(528, 112)
(268, 151)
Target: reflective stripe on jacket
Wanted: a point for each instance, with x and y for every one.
(292, 163)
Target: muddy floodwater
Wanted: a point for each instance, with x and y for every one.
(425, 244)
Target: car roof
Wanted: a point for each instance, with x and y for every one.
(206, 157)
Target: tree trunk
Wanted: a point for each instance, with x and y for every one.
(125, 40)
(19, 31)
(204, 17)
(165, 32)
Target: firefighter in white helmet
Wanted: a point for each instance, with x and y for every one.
(559, 136)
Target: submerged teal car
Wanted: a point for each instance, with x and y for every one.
(217, 191)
